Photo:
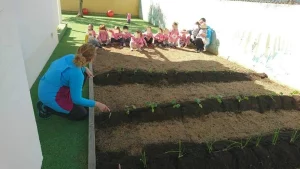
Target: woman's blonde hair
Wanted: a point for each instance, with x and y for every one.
(85, 54)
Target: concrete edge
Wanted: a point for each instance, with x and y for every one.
(91, 146)
(62, 33)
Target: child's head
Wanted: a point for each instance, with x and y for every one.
(161, 30)
(125, 29)
(175, 25)
(138, 34)
(197, 23)
(102, 28)
(184, 32)
(149, 29)
(117, 29)
(166, 31)
(90, 27)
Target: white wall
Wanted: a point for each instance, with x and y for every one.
(19, 142)
(263, 37)
(37, 25)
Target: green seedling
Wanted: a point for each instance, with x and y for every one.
(120, 69)
(295, 136)
(281, 94)
(219, 98)
(152, 106)
(136, 70)
(198, 101)
(258, 139)
(165, 72)
(242, 144)
(209, 146)
(179, 151)
(295, 92)
(175, 104)
(150, 70)
(275, 136)
(107, 75)
(143, 159)
(241, 98)
(128, 109)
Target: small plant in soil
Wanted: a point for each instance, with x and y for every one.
(150, 70)
(198, 101)
(128, 109)
(144, 159)
(175, 104)
(242, 144)
(136, 70)
(120, 69)
(275, 136)
(295, 136)
(209, 146)
(164, 72)
(219, 98)
(179, 151)
(152, 106)
(241, 98)
(258, 139)
(281, 94)
(295, 92)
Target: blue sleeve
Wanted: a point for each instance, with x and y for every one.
(76, 83)
(83, 69)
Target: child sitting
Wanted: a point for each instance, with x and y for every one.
(137, 42)
(126, 36)
(166, 37)
(103, 37)
(148, 36)
(91, 36)
(184, 39)
(116, 36)
(159, 38)
(201, 39)
(195, 31)
(174, 35)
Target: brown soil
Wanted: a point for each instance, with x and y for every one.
(159, 59)
(215, 126)
(116, 97)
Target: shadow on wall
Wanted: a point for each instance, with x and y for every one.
(213, 47)
(155, 16)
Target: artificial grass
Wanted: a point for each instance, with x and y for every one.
(65, 143)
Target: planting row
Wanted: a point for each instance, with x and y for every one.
(197, 108)
(279, 150)
(122, 76)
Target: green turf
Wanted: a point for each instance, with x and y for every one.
(65, 143)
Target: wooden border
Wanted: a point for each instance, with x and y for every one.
(91, 148)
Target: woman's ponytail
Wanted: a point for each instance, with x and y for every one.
(85, 54)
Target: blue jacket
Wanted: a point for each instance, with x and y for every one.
(209, 34)
(61, 86)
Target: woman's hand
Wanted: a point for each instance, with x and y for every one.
(88, 72)
(102, 107)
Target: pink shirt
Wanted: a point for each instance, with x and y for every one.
(160, 37)
(127, 35)
(174, 33)
(166, 37)
(103, 36)
(129, 16)
(91, 33)
(139, 41)
(116, 35)
(148, 35)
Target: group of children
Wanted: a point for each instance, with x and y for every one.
(123, 38)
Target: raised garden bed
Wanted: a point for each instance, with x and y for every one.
(123, 76)
(167, 119)
(197, 108)
(280, 149)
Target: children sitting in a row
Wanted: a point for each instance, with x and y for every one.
(124, 38)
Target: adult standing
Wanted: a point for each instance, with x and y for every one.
(60, 88)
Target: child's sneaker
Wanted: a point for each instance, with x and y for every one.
(160, 45)
(139, 49)
(124, 45)
(131, 49)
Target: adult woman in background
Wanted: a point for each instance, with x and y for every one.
(60, 89)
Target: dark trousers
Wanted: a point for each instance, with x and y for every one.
(158, 43)
(77, 113)
(128, 21)
(120, 41)
(126, 41)
(199, 44)
(149, 41)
